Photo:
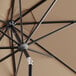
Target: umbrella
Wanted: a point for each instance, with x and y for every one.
(37, 37)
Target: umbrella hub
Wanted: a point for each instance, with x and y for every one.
(11, 23)
(23, 47)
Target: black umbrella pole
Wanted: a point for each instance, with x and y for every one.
(30, 62)
(30, 69)
(30, 66)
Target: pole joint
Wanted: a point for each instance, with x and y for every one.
(29, 60)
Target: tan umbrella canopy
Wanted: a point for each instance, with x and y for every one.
(37, 38)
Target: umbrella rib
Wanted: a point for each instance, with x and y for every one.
(2, 27)
(48, 51)
(8, 37)
(12, 8)
(47, 22)
(39, 53)
(8, 56)
(32, 8)
(34, 20)
(44, 49)
(41, 20)
(16, 35)
(19, 63)
(24, 51)
(27, 55)
(21, 36)
(50, 33)
(8, 47)
(3, 21)
(13, 56)
(20, 6)
(3, 34)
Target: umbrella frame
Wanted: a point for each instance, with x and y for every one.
(21, 45)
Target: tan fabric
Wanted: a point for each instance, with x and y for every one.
(4, 10)
(62, 44)
(6, 66)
